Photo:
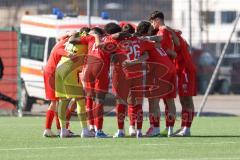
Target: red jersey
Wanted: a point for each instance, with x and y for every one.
(183, 59)
(55, 56)
(127, 49)
(95, 54)
(161, 74)
(166, 42)
(156, 55)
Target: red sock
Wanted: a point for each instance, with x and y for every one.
(139, 113)
(49, 119)
(170, 119)
(190, 119)
(98, 116)
(89, 108)
(151, 119)
(121, 113)
(157, 121)
(57, 121)
(68, 117)
(154, 120)
(187, 118)
(131, 115)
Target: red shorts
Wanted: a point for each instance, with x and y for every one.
(136, 90)
(120, 85)
(187, 83)
(49, 83)
(100, 85)
(161, 80)
(125, 87)
(95, 78)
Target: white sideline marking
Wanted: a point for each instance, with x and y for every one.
(46, 148)
(105, 146)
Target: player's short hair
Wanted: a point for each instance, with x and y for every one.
(98, 30)
(156, 14)
(143, 27)
(112, 28)
(84, 29)
(128, 28)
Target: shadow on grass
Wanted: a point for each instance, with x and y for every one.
(217, 114)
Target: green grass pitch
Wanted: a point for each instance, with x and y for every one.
(216, 138)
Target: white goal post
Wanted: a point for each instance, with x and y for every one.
(204, 100)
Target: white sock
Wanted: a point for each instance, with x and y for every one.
(139, 130)
(186, 129)
(170, 128)
(95, 128)
(120, 131)
(91, 127)
(132, 127)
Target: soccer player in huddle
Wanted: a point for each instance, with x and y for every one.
(95, 79)
(187, 87)
(49, 81)
(128, 28)
(186, 73)
(68, 85)
(161, 75)
(124, 81)
(157, 20)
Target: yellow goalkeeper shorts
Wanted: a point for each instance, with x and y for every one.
(67, 81)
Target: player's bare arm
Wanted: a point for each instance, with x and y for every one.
(155, 38)
(171, 53)
(121, 35)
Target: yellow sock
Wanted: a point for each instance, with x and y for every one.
(62, 106)
(81, 112)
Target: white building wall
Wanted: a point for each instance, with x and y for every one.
(216, 32)
(181, 20)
